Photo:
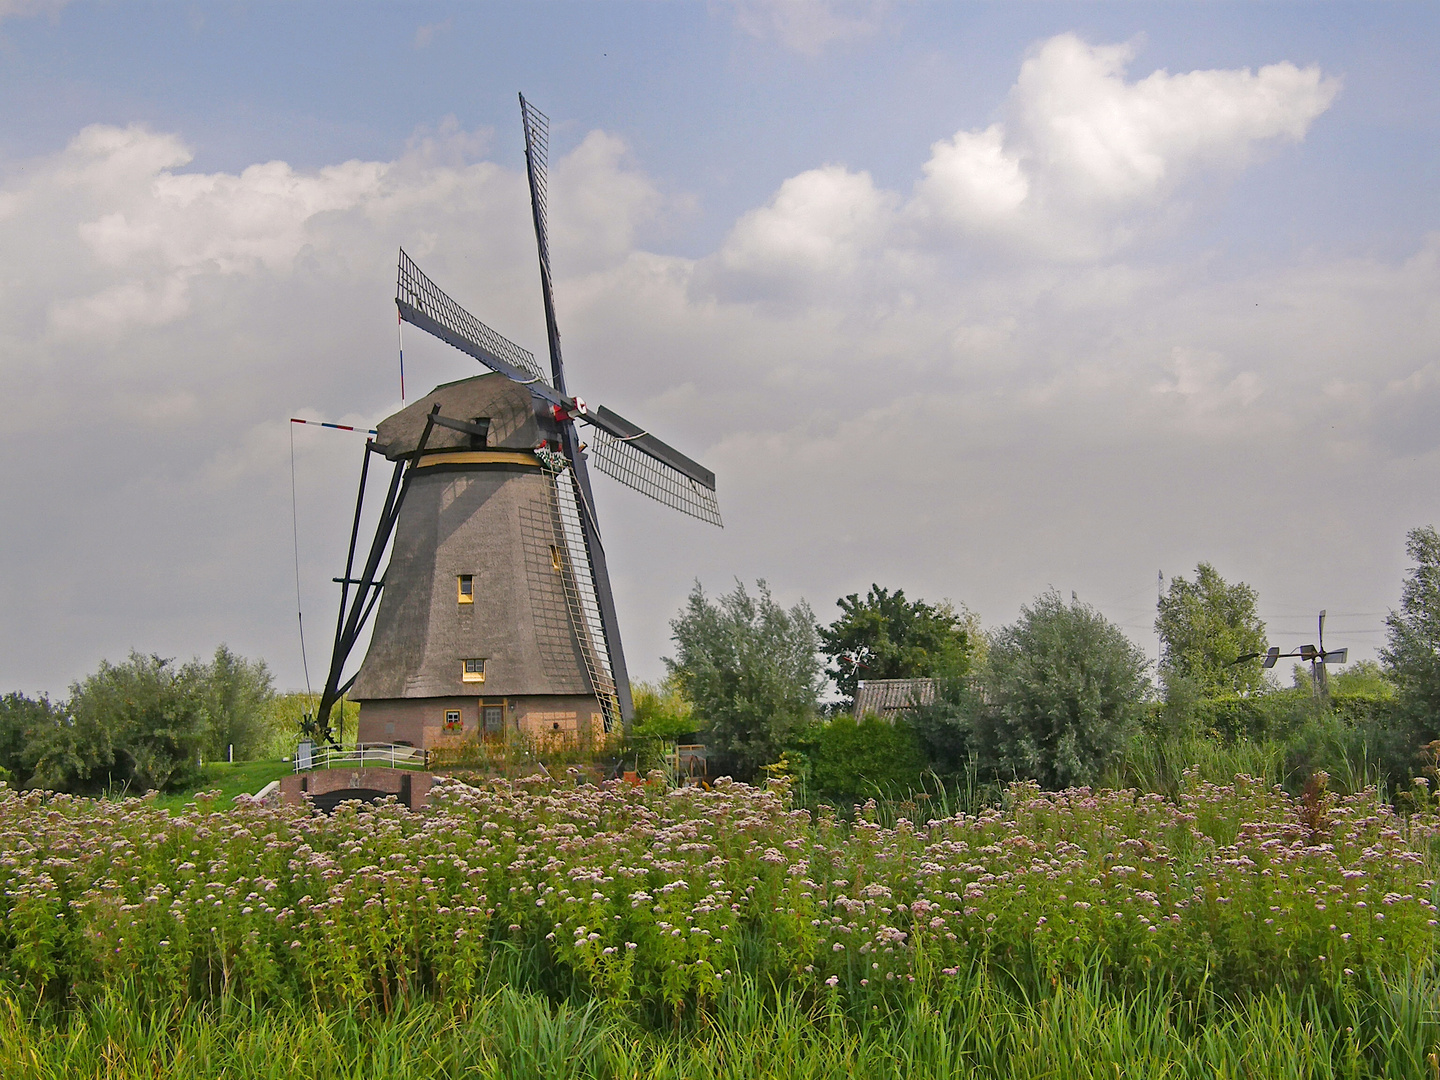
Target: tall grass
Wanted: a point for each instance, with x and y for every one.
(1160, 765)
(981, 1028)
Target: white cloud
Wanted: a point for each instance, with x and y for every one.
(1106, 139)
(137, 232)
(809, 26)
(598, 201)
(971, 181)
(1082, 151)
(1083, 163)
(816, 230)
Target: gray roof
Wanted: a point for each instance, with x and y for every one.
(887, 697)
(506, 404)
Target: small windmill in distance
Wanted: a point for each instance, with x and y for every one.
(1317, 655)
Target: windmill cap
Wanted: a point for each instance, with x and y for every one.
(506, 404)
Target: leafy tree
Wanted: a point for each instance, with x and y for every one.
(951, 728)
(236, 693)
(752, 670)
(151, 717)
(1066, 690)
(25, 724)
(886, 636)
(16, 717)
(1203, 626)
(62, 753)
(1412, 653)
(1362, 678)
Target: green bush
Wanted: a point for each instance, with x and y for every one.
(662, 711)
(1066, 693)
(851, 759)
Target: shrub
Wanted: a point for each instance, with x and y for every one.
(236, 694)
(1067, 691)
(860, 758)
(149, 721)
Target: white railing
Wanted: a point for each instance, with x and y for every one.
(374, 755)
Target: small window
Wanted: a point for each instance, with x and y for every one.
(467, 588)
(557, 561)
(452, 720)
(472, 670)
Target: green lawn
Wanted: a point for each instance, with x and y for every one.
(243, 777)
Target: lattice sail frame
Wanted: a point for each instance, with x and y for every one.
(417, 290)
(620, 460)
(537, 145)
(578, 578)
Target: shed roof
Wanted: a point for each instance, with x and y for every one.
(887, 697)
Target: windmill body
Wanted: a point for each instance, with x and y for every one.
(497, 614)
(473, 635)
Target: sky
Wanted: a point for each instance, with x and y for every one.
(971, 300)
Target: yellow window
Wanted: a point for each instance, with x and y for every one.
(472, 670)
(467, 588)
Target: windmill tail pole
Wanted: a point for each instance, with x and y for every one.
(333, 427)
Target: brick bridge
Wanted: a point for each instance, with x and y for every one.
(328, 788)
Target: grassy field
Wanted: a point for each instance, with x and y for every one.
(548, 928)
(979, 1029)
(241, 778)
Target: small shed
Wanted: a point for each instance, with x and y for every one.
(887, 698)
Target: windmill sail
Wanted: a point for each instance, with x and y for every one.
(537, 157)
(635, 464)
(424, 304)
(574, 499)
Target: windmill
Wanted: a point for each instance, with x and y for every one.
(495, 611)
(1318, 656)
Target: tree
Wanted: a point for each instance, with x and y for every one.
(17, 717)
(27, 726)
(1203, 626)
(1066, 690)
(886, 636)
(752, 670)
(148, 720)
(236, 693)
(1412, 653)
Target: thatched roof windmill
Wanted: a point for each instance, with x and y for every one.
(495, 611)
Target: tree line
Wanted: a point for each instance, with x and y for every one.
(1061, 695)
(145, 724)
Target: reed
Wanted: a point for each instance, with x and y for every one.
(981, 1028)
